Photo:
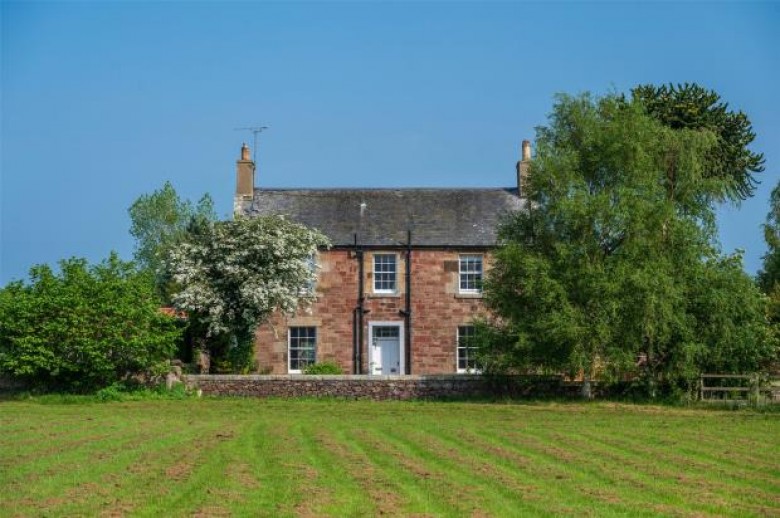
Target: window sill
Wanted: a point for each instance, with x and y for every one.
(469, 295)
(383, 295)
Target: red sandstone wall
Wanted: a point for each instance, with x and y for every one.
(437, 311)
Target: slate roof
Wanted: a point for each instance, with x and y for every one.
(436, 217)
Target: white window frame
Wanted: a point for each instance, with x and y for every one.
(461, 259)
(290, 370)
(395, 273)
(458, 369)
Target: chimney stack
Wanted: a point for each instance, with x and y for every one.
(245, 175)
(522, 167)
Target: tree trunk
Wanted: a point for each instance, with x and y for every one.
(202, 357)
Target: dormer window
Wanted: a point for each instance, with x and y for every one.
(470, 273)
(385, 273)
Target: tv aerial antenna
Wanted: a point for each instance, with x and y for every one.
(256, 130)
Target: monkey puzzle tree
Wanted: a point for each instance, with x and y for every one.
(691, 107)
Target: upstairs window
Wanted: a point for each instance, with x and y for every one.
(470, 273)
(467, 350)
(385, 273)
(302, 348)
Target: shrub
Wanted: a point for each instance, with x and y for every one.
(83, 328)
(323, 368)
(113, 392)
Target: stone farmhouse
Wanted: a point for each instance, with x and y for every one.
(401, 286)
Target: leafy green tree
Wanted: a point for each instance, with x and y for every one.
(691, 107)
(159, 222)
(234, 274)
(83, 327)
(732, 319)
(769, 275)
(604, 267)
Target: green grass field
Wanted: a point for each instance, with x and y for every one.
(338, 458)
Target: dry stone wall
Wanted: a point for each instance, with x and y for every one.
(345, 386)
(452, 386)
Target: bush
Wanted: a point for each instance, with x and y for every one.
(83, 328)
(113, 392)
(323, 368)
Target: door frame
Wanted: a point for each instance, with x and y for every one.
(401, 346)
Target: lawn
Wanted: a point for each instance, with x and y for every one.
(338, 458)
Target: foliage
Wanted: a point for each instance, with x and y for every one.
(159, 222)
(124, 392)
(235, 274)
(691, 107)
(323, 368)
(769, 275)
(615, 259)
(732, 319)
(84, 327)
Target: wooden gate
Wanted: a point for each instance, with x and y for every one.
(736, 389)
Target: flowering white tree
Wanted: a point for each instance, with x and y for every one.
(232, 275)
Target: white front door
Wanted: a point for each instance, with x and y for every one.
(385, 349)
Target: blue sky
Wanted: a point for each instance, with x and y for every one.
(103, 102)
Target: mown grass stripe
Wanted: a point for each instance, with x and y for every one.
(579, 481)
(391, 487)
(695, 458)
(245, 457)
(547, 494)
(489, 488)
(640, 484)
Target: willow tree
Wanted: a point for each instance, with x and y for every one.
(604, 266)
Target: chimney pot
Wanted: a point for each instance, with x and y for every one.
(522, 167)
(526, 150)
(245, 176)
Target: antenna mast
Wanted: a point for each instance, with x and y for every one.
(255, 131)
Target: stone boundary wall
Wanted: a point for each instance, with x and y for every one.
(459, 386)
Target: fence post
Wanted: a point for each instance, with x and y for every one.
(756, 386)
(701, 387)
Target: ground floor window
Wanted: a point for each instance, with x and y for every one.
(467, 350)
(302, 350)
